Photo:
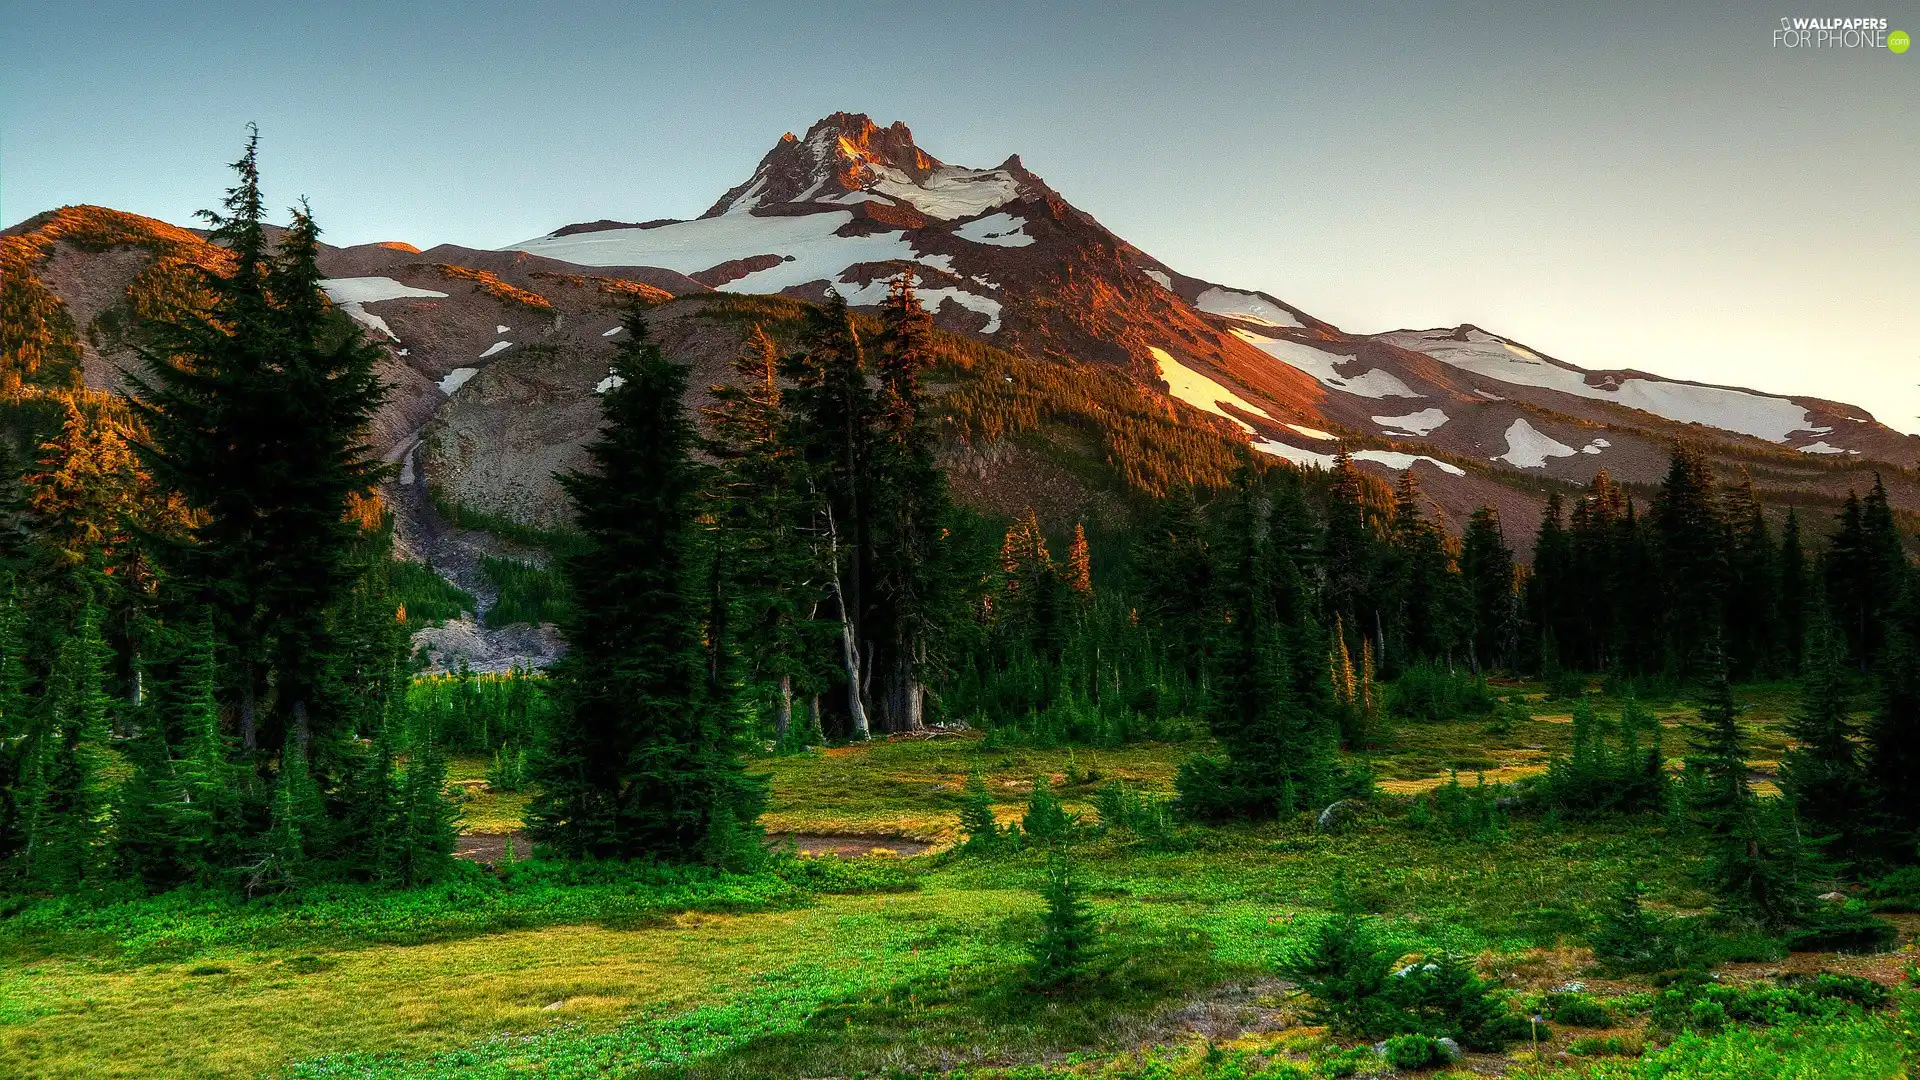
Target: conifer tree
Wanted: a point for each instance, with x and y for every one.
(16, 718)
(640, 760)
(764, 517)
(257, 410)
(1067, 935)
(1551, 589)
(205, 819)
(66, 797)
(1424, 587)
(911, 510)
(1692, 543)
(1079, 573)
(1795, 592)
(1822, 773)
(833, 412)
(1279, 756)
(294, 823)
(1753, 587)
(1486, 567)
(427, 820)
(1890, 755)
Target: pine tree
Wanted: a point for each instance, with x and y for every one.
(16, 719)
(1795, 592)
(1753, 587)
(640, 760)
(65, 791)
(1079, 572)
(427, 820)
(1065, 949)
(977, 821)
(1692, 544)
(913, 595)
(833, 413)
(1551, 589)
(257, 409)
(1890, 755)
(1279, 756)
(764, 513)
(284, 860)
(1822, 773)
(1486, 565)
(1425, 591)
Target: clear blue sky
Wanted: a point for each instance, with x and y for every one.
(1622, 187)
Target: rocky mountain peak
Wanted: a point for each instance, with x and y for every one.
(847, 153)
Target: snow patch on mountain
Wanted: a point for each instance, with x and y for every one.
(1161, 277)
(1770, 418)
(457, 378)
(1421, 423)
(1323, 366)
(875, 291)
(1201, 392)
(808, 244)
(496, 347)
(1822, 447)
(1313, 433)
(352, 293)
(1245, 306)
(608, 383)
(1529, 448)
(1000, 230)
(1398, 462)
(950, 192)
(372, 290)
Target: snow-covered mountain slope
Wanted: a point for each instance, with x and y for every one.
(1003, 257)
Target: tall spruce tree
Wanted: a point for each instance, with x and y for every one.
(1486, 567)
(1753, 621)
(640, 761)
(1891, 752)
(765, 518)
(1691, 540)
(1280, 751)
(1795, 590)
(913, 591)
(1822, 773)
(256, 408)
(833, 412)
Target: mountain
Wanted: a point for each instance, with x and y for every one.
(1081, 369)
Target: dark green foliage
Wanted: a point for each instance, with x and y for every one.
(428, 820)
(1065, 949)
(642, 757)
(1822, 773)
(1429, 693)
(1629, 938)
(1614, 768)
(426, 596)
(1697, 1003)
(1272, 701)
(1577, 1010)
(1345, 969)
(257, 410)
(1487, 572)
(1046, 821)
(524, 592)
(1690, 536)
(1413, 1051)
(1890, 756)
(1440, 995)
(982, 829)
(1867, 575)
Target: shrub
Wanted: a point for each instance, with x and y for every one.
(1345, 969)
(508, 773)
(1611, 1046)
(1845, 928)
(1897, 892)
(1472, 812)
(1046, 821)
(1577, 1010)
(1440, 995)
(976, 816)
(1413, 1052)
(1430, 694)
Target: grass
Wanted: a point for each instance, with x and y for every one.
(822, 967)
